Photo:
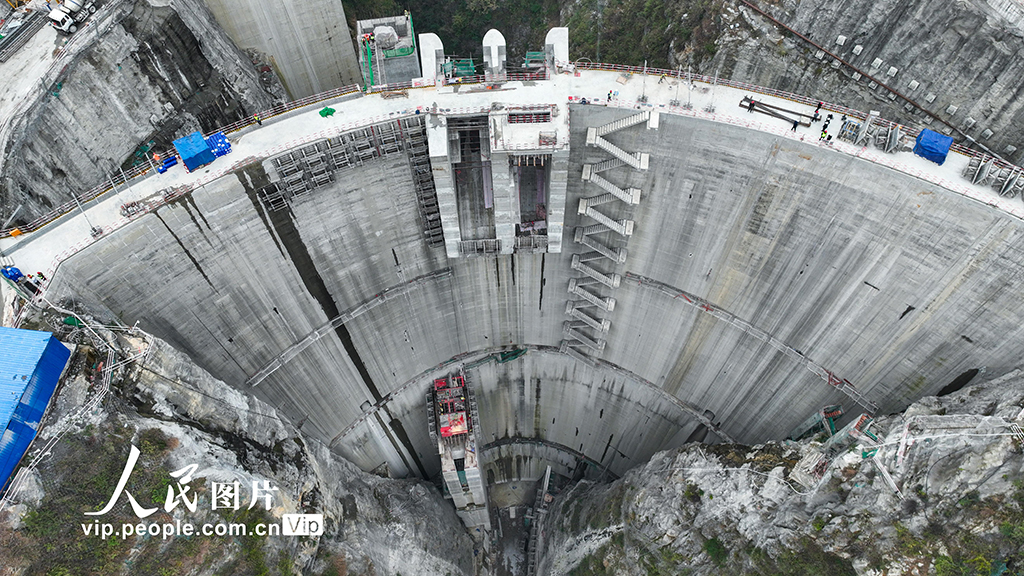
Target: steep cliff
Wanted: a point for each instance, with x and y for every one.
(738, 510)
(144, 73)
(960, 60)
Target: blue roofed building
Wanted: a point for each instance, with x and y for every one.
(31, 364)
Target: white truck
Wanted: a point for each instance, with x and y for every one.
(67, 16)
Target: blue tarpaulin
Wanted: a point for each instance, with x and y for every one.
(933, 146)
(194, 151)
(11, 273)
(30, 367)
(219, 144)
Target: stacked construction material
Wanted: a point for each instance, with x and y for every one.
(167, 163)
(219, 144)
(194, 151)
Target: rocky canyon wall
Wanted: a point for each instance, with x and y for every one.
(158, 72)
(961, 61)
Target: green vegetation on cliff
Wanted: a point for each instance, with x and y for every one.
(619, 31)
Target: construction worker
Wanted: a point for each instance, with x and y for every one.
(662, 79)
(750, 106)
(256, 117)
(795, 124)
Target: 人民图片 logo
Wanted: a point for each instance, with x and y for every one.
(223, 496)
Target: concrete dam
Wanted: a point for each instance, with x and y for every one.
(615, 276)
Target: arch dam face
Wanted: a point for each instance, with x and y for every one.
(890, 282)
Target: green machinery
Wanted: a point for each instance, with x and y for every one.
(459, 68)
(822, 420)
(535, 60)
(499, 357)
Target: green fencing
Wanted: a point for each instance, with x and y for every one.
(399, 52)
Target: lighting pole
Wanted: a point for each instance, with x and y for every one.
(679, 78)
(13, 214)
(643, 95)
(125, 178)
(689, 86)
(84, 215)
(710, 108)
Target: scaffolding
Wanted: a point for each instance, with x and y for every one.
(452, 417)
(484, 247)
(423, 180)
(316, 165)
(540, 508)
(388, 57)
(529, 117)
(823, 420)
(812, 468)
(459, 68)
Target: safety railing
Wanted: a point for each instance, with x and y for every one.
(527, 76)
(123, 177)
(508, 77)
(799, 98)
(398, 52)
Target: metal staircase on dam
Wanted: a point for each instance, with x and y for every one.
(315, 165)
(599, 251)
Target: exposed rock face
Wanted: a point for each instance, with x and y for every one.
(162, 70)
(373, 525)
(735, 509)
(965, 53)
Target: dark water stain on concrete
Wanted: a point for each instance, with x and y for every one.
(254, 177)
(250, 191)
(184, 202)
(283, 222)
(403, 437)
(187, 253)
